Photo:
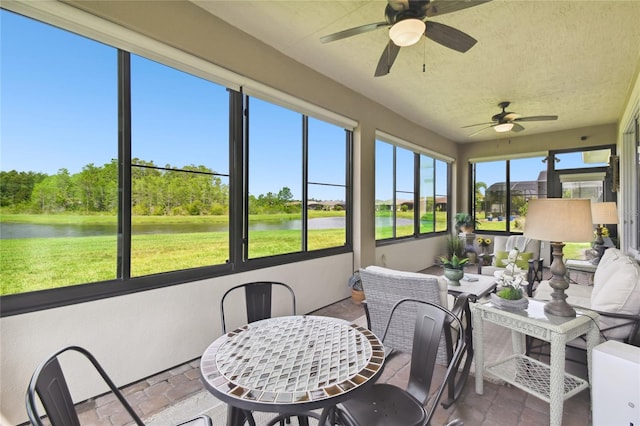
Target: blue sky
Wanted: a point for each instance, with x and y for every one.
(59, 110)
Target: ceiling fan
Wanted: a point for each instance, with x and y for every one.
(406, 19)
(506, 120)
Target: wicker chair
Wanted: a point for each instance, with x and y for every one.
(384, 287)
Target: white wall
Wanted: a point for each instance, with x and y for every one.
(413, 255)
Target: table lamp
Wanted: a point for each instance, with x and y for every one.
(559, 220)
(603, 214)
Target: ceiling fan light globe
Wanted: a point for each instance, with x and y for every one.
(503, 127)
(407, 32)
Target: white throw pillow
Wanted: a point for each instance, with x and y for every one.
(618, 293)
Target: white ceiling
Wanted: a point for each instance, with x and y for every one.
(576, 59)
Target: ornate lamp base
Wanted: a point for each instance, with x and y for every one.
(558, 304)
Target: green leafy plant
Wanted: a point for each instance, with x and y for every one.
(355, 282)
(453, 262)
(455, 246)
(465, 220)
(510, 293)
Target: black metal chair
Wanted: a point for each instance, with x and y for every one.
(388, 405)
(258, 297)
(385, 288)
(258, 300)
(49, 383)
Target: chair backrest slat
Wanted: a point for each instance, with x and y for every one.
(50, 385)
(54, 394)
(430, 323)
(258, 300)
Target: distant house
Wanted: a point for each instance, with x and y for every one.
(496, 194)
(386, 205)
(326, 205)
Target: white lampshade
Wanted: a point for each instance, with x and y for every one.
(559, 219)
(504, 127)
(407, 32)
(604, 213)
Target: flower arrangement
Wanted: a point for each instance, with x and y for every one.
(511, 280)
(483, 242)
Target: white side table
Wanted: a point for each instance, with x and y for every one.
(548, 382)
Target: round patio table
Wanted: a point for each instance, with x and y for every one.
(291, 365)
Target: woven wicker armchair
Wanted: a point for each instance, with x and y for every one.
(384, 287)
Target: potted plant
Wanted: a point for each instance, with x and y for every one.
(453, 268)
(465, 223)
(510, 281)
(357, 292)
(455, 246)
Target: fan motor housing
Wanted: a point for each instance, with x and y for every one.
(417, 10)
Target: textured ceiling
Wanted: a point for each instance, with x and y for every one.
(575, 59)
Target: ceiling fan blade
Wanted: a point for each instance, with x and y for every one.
(537, 118)
(483, 129)
(517, 127)
(386, 60)
(437, 8)
(352, 32)
(449, 36)
(478, 124)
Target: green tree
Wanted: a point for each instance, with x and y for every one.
(16, 188)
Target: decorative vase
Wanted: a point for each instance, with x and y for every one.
(508, 304)
(357, 296)
(473, 257)
(454, 275)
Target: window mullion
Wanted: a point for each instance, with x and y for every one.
(416, 194)
(305, 182)
(394, 197)
(237, 216)
(124, 169)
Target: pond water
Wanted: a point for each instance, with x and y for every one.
(29, 230)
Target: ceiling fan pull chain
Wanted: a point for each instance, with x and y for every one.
(424, 56)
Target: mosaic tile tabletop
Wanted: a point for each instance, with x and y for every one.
(291, 360)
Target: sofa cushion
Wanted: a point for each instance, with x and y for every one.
(577, 295)
(619, 292)
(616, 289)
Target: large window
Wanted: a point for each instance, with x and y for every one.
(179, 170)
(59, 174)
(327, 185)
(121, 173)
(297, 181)
(502, 189)
(411, 193)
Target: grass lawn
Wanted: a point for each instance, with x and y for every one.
(30, 264)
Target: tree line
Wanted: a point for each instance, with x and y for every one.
(155, 191)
